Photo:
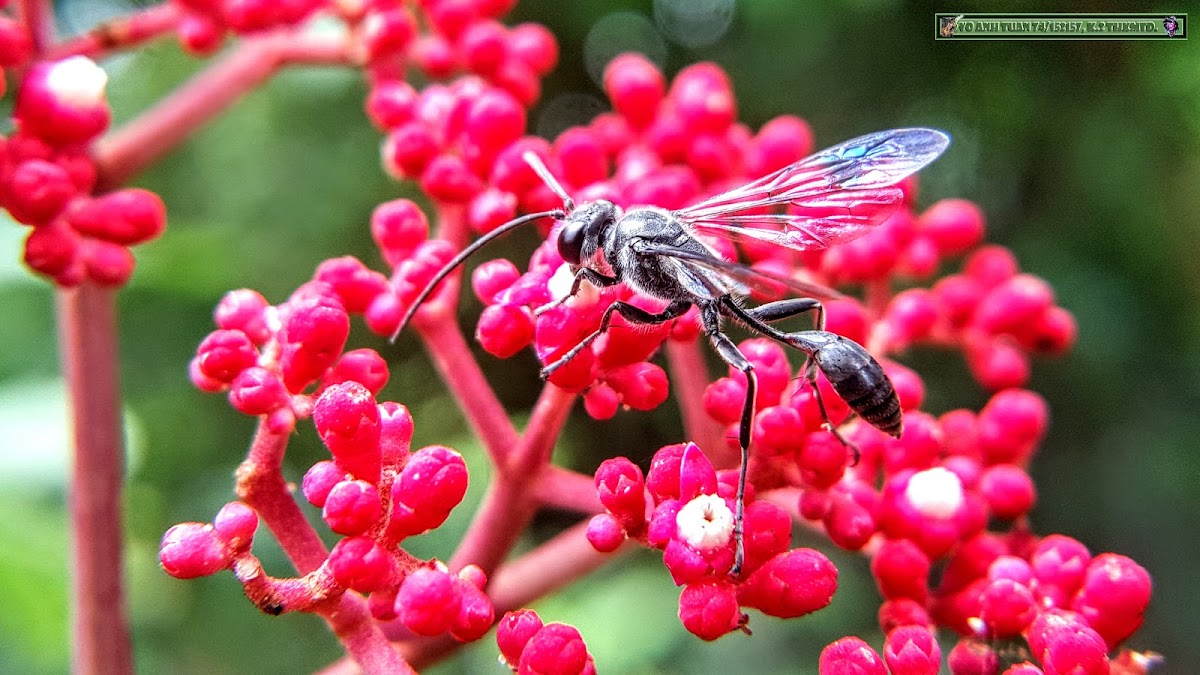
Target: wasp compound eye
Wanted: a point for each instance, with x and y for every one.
(570, 241)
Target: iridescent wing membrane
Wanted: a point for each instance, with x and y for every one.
(834, 195)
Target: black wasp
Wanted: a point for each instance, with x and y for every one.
(836, 195)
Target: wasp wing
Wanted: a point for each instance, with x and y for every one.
(745, 279)
(835, 195)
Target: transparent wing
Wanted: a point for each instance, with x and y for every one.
(834, 195)
(744, 279)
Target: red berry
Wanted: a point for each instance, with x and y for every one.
(63, 102)
(1009, 491)
(1007, 608)
(37, 191)
(791, 584)
(954, 225)
(851, 656)
(556, 649)
(990, 265)
(534, 45)
(483, 46)
(398, 227)
(912, 650)
(408, 150)
(387, 33)
(1114, 595)
(703, 97)
(428, 601)
(709, 609)
(636, 87)
(504, 330)
(15, 45)
(514, 631)
(901, 570)
(191, 550)
(782, 141)
(363, 565)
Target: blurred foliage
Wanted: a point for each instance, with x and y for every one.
(1085, 156)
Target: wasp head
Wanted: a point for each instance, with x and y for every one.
(579, 238)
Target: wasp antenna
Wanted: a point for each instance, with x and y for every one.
(548, 178)
(467, 253)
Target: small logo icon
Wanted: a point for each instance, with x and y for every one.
(1171, 25)
(948, 25)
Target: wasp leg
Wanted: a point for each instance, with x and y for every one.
(710, 316)
(632, 314)
(598, 280)
(786, 309)
(757, 319)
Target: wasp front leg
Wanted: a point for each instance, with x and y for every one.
(584, 274)
(632, 314)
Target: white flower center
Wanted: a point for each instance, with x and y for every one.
(705, 523)
(936, 493)
(77, 82)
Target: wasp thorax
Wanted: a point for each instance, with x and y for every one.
(580, 237)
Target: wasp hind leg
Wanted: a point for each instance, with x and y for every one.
(758, 318)
(710, 316)
(632, 314)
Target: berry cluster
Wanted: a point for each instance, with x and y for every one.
(529, 646)
(204, 23)
(692, 521)
(914, 504)
(47, 175)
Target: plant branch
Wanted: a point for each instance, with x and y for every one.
(689, 379)
(511, 499)
(38, 17)
(143, 141)
(260, 484)
(462, 374)
(570, 490)
(88, 345)
(119, 33)
(549, 567)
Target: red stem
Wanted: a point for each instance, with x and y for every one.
(119, 33)
(565, 489)
(38, 17)
(689, 378)
(88, 344)
(551, 566)
(511, 499)
(461, 372)
(260, 484)
(143, 141)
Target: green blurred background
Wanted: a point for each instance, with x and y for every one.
(1084, 155)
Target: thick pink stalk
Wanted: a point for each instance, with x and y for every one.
(144, 140)
(38, 17)
(562, 560)
(260, 483)
(461, 372)
(511, 499)
(689, 379)
(120, 33)
(566, 489)
(88, 344)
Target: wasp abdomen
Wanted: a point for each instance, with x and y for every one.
(859, 379)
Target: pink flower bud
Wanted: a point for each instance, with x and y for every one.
(63, 102)
(791, 584)
(320, 480)
(432, 483)
(971, 657)
(313, 336)
(1007, 608)
(1009, 491)
(127, 217)
(395, 432)
(362, 565)
(1059, 563)
(244, 310)
(37, 191)
(475, 614)
(235, 524)
(352, 507)
(636, 87)
(534, 45)
(492, 277)
(504, 330)
(849, 525)
(621, 489)
(901, 570)
(224, 354)
(723, 400)
(347, 419)
(387, 33)
(703, 97)
(954, 225)
(991, 265)
(257, 391)
(605, 533)
(1064, 643)
(912, 650)
(398, 227)
(902, 612)
(364, 366)
(428, 601)
(1114, 595)
(191, 550)
(709, 609)
(556, 649)
(851, 656)
(107, 264)
(355, 285)
(696, 473)
(514, 631)
(1011, 425)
